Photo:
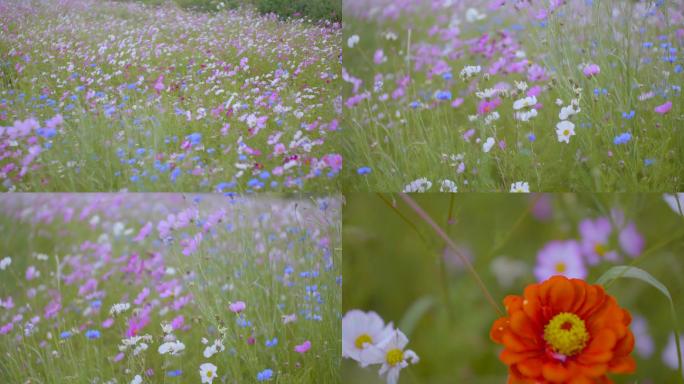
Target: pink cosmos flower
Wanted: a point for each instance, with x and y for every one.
(237, 306)
(457, 102)
(560, 258)
(488, 106)
(595, 238)
(631, 241)
(591, 70)
(664, 108)
(379, 57)
(303, 347)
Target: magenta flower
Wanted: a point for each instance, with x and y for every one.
(488, 106)
(237, 306)
(631, 240)
(379, 57)
(591, 70)
(664, 108)
(560, 258)
(303, 347)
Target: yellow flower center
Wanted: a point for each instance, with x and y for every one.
(566, 334)
(599, 249)
(560, 267)
(566, 132)
(362, 339)
(210, 373)
(394, 356)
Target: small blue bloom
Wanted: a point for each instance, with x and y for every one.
(65, 335)
(648, 162)
(443, 95)
(195, 138)
(447, 76)
(629, 115)
(531, 137)
(265, 375)
(92, 334)
(364, 170)
(272, 343)
(174, 373)
(622, 138)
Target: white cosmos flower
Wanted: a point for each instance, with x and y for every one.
(473, 15)
(525, 102)
(564, 130)
(361, 330)
(391, 354)
(352, 41)
(520, 187)
(213, 349)
(521, 85)
(418, 185)
(470, 70)
(675, 201)
(136, 380)
(488, 144)
(207, 372)
(568, 111)
(448, 186)
(172, 347)
(119, 308)
(526, 115)
(4, 263)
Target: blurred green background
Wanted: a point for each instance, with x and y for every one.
(392, 265)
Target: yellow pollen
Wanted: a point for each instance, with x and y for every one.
(566, 132)
(566, 334)
(210, 373)
(600, 249)
(362, 339)
(560, 267)
(394, 356)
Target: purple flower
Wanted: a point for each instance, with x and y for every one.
(631, 240)
(237, 306)
(590, 70)
(560, 258)
(642, 338)
(595, 238)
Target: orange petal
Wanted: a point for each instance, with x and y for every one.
(555, 372)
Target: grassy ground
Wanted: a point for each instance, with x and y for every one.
(411, 53)
(399, 268)
(279, 256)
(163, 99)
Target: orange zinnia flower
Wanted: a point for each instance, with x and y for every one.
(564, 331)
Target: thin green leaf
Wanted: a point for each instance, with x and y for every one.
(415, 312)
(627, 271)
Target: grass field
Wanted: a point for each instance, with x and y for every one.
(105, 96)
(395, 265)
(182, 261)
(475, 92)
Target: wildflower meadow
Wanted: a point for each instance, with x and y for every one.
(112, 95)
(508, 288)
(169, 288)
(511, 95)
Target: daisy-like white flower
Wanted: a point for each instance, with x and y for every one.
(520, 187)
(560, 258)
(568, 111)
(526, 115)
(525, 102)
(352, 41)
(361, 330)
(119, 308)
(565, 130)
(473, 15)
(207, 372)
(172, 347)
(391, 354)
(211, 350)
(4, 263)
(418, 185)
(470, 71)
(448, 186)
(137, 380)
(488, 144)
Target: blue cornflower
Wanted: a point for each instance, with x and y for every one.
(272, 343)
(629, 115)
(364, 170)
(531, 137)
(65, 335)
(174, 373)
(265, 375)
(443, 95)
(194, 138)
(447, 76)
(648, 162)
(92, 334)
(622, 138)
